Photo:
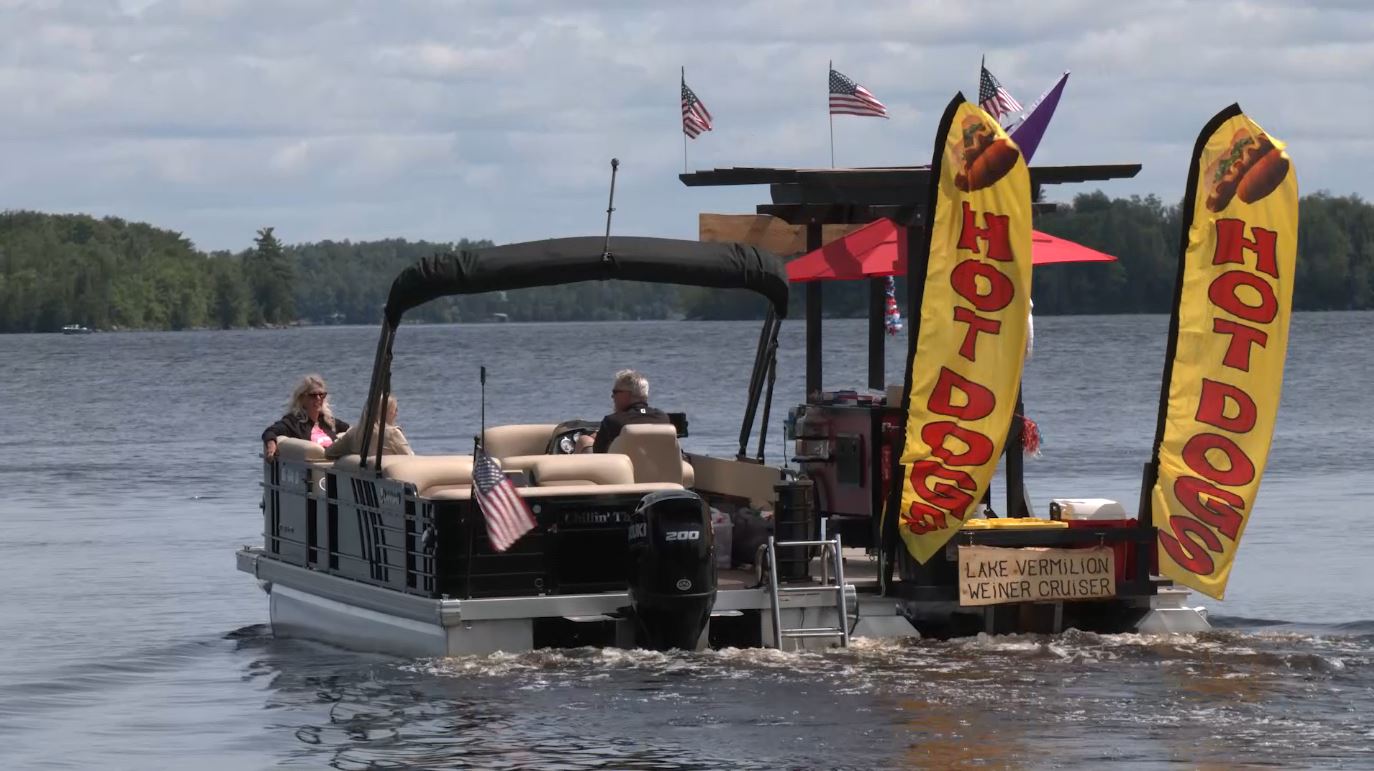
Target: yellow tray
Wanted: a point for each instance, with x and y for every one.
(1019, 523)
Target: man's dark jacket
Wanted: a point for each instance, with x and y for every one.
(638, 412)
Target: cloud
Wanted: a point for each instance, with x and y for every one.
(442, 119)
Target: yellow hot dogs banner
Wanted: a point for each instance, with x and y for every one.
(964, 368)
(1229, 338)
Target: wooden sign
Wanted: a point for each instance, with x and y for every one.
(993, 576)
(764, 231)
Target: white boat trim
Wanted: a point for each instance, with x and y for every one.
(338, 610)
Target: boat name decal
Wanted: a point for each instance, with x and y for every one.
(595, 517)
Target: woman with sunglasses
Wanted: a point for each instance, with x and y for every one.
(307, 417)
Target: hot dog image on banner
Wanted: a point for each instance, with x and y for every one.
(1228, 339)
(964, 365)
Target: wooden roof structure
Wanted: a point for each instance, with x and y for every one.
(857, 196)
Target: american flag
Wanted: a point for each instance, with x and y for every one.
(850, 98)
(695, 117)
(995, 99)
(508, 516)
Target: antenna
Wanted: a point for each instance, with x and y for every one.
(482, 379)
(610, 207)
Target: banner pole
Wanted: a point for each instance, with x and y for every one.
(829, 68)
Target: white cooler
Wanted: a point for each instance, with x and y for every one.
(1087, 509)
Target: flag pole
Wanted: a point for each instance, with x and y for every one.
(684, 131)
(829, 68)
(478, 447)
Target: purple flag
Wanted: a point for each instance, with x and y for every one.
(1028, 133)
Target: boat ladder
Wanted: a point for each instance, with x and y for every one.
(830, 549)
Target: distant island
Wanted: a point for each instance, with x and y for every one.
(58, 270)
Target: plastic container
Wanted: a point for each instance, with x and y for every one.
(1125, 552)
(722, 531)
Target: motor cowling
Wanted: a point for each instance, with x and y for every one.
(672, 569)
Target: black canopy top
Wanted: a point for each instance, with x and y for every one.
(569, 260)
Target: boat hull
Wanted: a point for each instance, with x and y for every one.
(366, 562)
(318, 606)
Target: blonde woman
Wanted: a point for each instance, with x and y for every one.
(351, 443)
(307, 417)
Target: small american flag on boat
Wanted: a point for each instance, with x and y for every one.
(508, 516)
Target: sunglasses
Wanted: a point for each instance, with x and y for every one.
(619, 391)
(317, 394)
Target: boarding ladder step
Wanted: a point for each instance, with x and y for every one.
(830, 582)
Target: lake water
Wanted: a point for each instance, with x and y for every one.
(129, 476)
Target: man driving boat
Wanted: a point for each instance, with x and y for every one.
(630, 395)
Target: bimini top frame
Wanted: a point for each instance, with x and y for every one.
(571, 260)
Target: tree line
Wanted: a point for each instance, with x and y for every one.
(59, 269)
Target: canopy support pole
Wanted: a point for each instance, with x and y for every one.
(813, 317)
(381, 364)
(889, 537)
(768, 339)
(1016, 478)
(772, 367)
(877, 333)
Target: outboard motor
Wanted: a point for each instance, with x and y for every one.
(672, 569)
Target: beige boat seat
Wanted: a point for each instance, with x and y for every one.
(582, 469)
(518, 439)
(654, 453)
(425, 471)
(422, 471)
(300, 450)
(353, 463)
(523, 463)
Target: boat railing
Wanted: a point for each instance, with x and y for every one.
(383, 537)
(382, 532)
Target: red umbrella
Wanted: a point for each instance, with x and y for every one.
(877, 249)
(1048, 250)
(872, 251)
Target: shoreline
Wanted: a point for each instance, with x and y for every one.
(371, 325)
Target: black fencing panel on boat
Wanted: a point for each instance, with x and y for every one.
(579, 545)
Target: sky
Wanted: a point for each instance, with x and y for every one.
(443, 119)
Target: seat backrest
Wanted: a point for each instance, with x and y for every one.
(289, 448)
(582, 469)
(517, 439)
(426, 471)
(653, 451)
(353, 463)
